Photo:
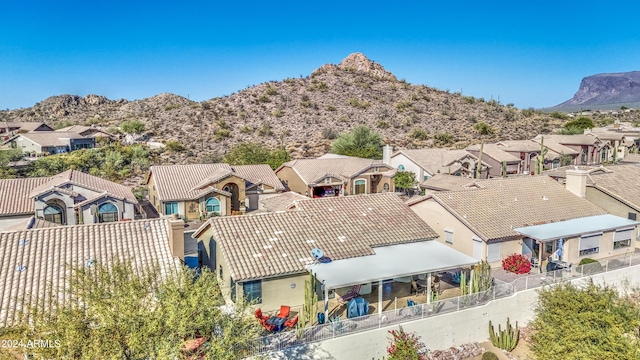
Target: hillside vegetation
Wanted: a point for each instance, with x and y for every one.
(303, 114)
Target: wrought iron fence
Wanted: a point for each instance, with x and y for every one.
(340, 327)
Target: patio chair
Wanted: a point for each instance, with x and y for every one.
(260, 317)
(354, 292)
(291, 322)
(284, 311)
(415, 288)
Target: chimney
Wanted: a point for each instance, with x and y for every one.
(176, 237)
(387, 150)
(616, 124)
(577, 182)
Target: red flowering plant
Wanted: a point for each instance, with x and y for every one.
(517, 263)
(406, 346)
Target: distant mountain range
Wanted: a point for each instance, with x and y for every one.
(605, 92)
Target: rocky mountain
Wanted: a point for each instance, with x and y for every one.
(605, 91)
(303, 114)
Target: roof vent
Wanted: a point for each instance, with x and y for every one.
(257, 231)
(284, 255)
(278, 232)
(464, 216)
(23, 242)
(273, 239)
(267, 247)
(257, 255)
(515, 198)
(21, 268)
(544, 198)
(310, 241)
(89, 263)
(364, 214)
(369, 209)
(342, 238)
(330, 209)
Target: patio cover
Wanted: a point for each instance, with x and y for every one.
(389, 262)
(576, 227)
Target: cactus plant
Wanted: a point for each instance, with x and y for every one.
(310, 307)
(539, 165)
(480, 279)
(506, 339)
(479, 166)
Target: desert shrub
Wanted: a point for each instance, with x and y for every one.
(381, 124)
(361, 142)
(483, 128)
(264, 98)
(405, 346)
(403, 105)
(132, 127)
(582, 122)
(358, 104)
(571, 130)
(173, 145)
(265, 129)
(331, 108)
(277, 113)
(510, 115)
(489, 356)
(172, 107)
(222, 134)
(245, 129)
(517, 263)
(558, 115)
(443, 138)
(329, 133)
(419, 134)
(271, 91)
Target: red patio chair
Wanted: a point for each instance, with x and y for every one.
(354, 292)
(284, 311)
(291, 322)
(260, 317)
(269, 327)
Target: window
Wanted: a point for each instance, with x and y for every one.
(622, 238)
(401, 167)
(212, 205)
(632, 216)
(53, 213)
(385, 187)
(360, 186)
(252, 290)
(448, 236)
(107, 212)
(590, 244)
(170, 208)
(426, 177)
(493, 252)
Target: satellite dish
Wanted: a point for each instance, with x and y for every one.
(317, 253)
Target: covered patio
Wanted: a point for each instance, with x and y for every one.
(400, 262)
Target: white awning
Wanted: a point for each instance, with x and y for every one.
(390, 262)
(576, 227)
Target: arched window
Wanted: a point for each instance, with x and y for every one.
(212, 205)
(359, 186)
(107, 212)
(53, 213)
(401, 167)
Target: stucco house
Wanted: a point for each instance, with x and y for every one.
(50, 142)
(426, 163)
(69, 198)
(11, 128)
(497, 159)
(335, 175)
(201, 190)
(267, 257)
(88, 131)
(37, 261)
(590, 150)
(492, 222)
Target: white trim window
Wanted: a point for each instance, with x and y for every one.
(448, 236)
(360, 186)
(590, 244)
(622, 238)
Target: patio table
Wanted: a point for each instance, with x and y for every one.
(278, 322)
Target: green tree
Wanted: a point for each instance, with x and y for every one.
(405, 180)
(586, 322)
(361, 142)
(483, 128)
(118, 312)
(7, 156)
(571, 130)
(581, 122)
(251, 153)
(132, 127)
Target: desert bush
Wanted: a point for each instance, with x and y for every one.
(264, 98)
(132, 127)
(405, 346)
(443, 138)
(490, 356)
(361, 142)
(277, 113)
(331, 108)
(222, 134)
(483, 128)
(265, 129)
(419, 134)
(271, 91)
(358, 104)
(329, 133)
(173, 145)
(172, 107)
(381, 124)
(558, 115)
(403, 105)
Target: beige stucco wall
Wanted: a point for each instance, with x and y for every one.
(609, 204)
(293, 181)
(278, 291)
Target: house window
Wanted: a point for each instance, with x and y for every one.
(401, 167)
(252, 290)
(212, 205)
(590, 244)
(385, 187)
(632, 216)
(622, 238)
(53, 213)
(448, 236)
(360, 186)
(493, 252)
(426, 177)
(107, 212)
(170, 208)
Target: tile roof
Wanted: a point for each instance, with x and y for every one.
(495, 152)
(50, 138)
(259, 174)
(26, 125)
(569, 139)
(620, 182)
(282, 202)
(445, 182)
(553, 145)
(437, 160)
(344, 167)
(94, 183)
(186, 182)
(519, 145)
(507, 203)
(31, 261)
(631, 158)
(272, 244)
(31, 223)
(15, 195)
(81, 129)
(561, 172)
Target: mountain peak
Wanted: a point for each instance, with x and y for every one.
(605, 91)
(359, 62)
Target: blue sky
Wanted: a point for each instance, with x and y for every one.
(532, 55)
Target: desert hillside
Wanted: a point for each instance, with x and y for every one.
(304, 114)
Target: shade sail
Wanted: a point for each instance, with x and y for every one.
(390, 262)
(576, 227)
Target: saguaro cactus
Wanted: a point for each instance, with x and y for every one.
(540, 161)
(506, 339)
(479, 166)
(310, 307)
